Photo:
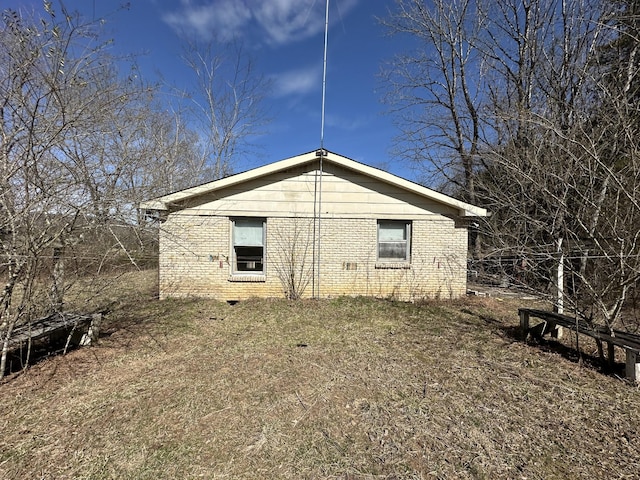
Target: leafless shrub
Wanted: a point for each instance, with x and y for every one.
(292, 260)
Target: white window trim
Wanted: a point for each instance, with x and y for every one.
(391, 263)
(256, 276)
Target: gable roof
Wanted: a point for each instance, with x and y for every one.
(164, 202)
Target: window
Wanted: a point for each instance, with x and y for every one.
(394, 241)
(248, 245)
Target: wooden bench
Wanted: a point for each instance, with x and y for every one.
(551, 321)
(81, 329)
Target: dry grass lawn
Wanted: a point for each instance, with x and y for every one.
(348, 388)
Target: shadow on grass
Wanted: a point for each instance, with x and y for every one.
(510, 333)
(568, 352)
(118, 316)
(513, 334)
(24, 357)
(594, 362)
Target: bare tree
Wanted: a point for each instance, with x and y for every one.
(82, 143)
(436, 93)
(128, 151)
(227, 101)
(435, 90)
(75, 147)
(564, 195)
(36, 197)
(557, 156)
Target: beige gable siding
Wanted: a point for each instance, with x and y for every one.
(344, 194)
(195, 259)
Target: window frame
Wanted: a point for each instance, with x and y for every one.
(235, 272)
(407, 224)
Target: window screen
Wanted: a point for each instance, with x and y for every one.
(394, 240)
(248, 245)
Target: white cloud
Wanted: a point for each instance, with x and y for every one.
(221, 19)
(277, 22)
(287, 20)
(349, 124)
(297, 82)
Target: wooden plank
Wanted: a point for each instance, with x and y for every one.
(631, 339)
(610, 354)
(524, 322)
(621, 339)
(633, 366)
(46, 326)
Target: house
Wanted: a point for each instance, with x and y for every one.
(318, 224)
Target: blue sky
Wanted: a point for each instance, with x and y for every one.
(286, 38)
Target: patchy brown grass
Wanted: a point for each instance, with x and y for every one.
(347, 388)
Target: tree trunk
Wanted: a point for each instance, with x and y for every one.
(57, 286)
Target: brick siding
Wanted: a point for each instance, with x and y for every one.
(196, 255)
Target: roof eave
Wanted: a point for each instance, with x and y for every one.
(464, 209)
(153, 205)
(475, 212)
(164, 203)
